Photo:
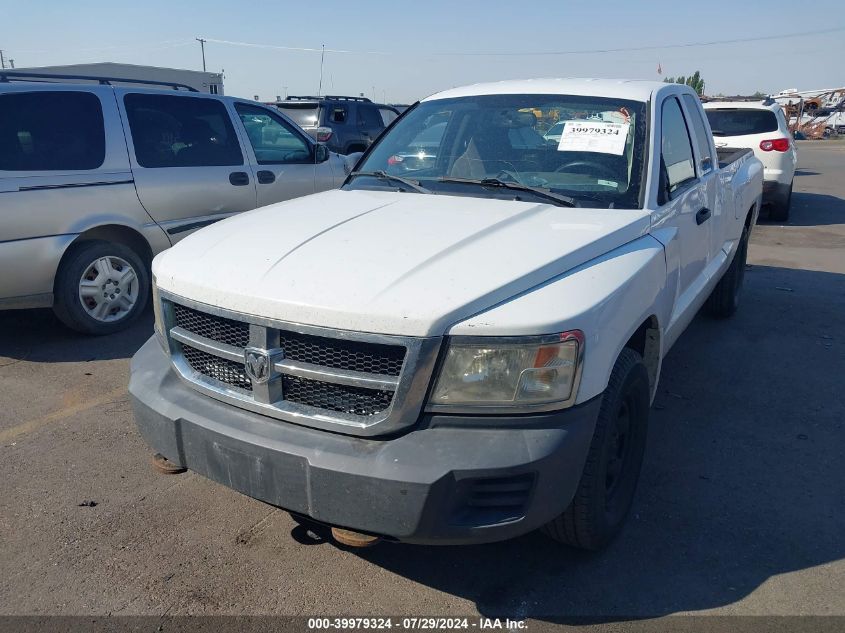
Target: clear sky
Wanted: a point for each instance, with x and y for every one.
(403, 51)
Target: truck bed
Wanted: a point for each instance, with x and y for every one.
(728, 155)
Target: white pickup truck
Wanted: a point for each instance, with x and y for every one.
(462, 348)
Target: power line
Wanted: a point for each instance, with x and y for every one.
(593, 51)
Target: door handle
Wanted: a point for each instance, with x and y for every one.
(702, 216)
(265, 177)
(239, 178)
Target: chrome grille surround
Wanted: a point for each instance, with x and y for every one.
(362, 383)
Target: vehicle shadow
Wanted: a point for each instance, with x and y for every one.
(742, 480)
(38, 336)
(811, 209)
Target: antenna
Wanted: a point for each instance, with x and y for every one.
(322, 58)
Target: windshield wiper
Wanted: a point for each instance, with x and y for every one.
(560, 199)
(383, 175)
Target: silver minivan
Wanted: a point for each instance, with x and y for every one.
(96, 179)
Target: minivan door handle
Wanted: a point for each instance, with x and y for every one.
(239, 178)
(702, 216)
(265, 177)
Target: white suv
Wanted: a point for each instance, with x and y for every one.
(761, 126)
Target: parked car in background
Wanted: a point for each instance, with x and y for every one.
(346, 124)
(95, 180)
(466, 351)
(761, 126)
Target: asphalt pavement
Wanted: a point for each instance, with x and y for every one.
(740, 509)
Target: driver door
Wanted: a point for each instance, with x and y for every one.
(282, 158)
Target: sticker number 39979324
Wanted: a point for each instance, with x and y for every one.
(594, 136)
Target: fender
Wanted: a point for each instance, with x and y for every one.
(608, 298)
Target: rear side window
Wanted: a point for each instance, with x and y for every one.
(739, 122)
(703, 143)
(676, 152)
(369, 117)
(51, 131)
(303, 114)
(170, 131)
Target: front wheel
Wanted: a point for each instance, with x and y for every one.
(101, 287)
(607, 486)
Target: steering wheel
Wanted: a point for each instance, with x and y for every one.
(590, 168)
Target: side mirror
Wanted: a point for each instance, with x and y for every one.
(706, 164)
(321, 153)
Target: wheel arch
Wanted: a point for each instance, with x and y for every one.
(119, 233)
(646, 341)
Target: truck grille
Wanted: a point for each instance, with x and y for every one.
(212, 327)
(318, 376)
(217, 368)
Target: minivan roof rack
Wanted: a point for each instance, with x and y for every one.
(18, 75)
(329, 97)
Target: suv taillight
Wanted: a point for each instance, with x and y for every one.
(323, 134)
(777, 145)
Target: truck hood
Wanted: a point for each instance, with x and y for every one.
(387, 262)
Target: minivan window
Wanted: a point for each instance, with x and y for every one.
(303, 114)
(741, 122)
(49, 131)
(272, 140)
(701, 136)
(676, 150)
(171, 131)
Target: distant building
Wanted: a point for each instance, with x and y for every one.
(196, 79)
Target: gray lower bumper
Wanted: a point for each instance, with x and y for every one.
(452, 479)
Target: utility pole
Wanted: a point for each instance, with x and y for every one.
(2, 60)
(286, 91)
(202, 46)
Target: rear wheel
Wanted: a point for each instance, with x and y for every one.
(101, 287)
(779, 210)
(607, 486)
(724, 300)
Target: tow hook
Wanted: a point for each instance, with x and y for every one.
(354, 539)
(165, 466)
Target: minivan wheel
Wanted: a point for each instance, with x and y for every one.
(607, 486)
(101, 287)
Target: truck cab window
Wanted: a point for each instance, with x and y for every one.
(676, 149)
(701, 136)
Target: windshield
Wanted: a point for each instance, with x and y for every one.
(303, 114)
(587, 148)
(739, 122)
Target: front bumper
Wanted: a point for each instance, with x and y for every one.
(449, 479)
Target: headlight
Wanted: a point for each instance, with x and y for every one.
(159, 318)
(509, 373)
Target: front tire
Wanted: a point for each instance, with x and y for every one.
(607, 486)
(101, 287)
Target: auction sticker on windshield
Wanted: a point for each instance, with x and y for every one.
(594, 136)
